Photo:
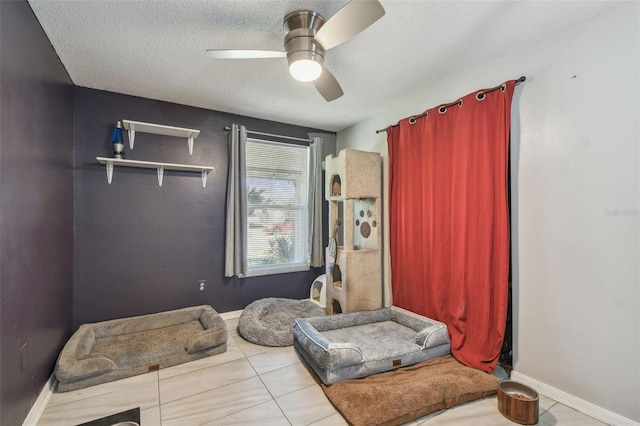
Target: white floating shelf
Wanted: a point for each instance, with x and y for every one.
(160, 167)
(159, 129)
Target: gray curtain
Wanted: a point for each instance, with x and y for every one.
(235, 263)
(315, 203)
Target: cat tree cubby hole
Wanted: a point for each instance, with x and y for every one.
(335, 186)
(318, 291)
(336, 276)
(336, 218)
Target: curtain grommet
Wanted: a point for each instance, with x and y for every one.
(460, 103)
(481, 96)
(442, 110)
(503, 87)
(413, 120)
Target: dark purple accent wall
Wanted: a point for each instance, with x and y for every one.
(136, 248)
(141, 248)
(36, 209)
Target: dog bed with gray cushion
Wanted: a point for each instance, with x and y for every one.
(359, 344)
(269, 322)
(111, 350)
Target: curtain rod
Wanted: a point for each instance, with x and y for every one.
(228, 129)
(415, 117)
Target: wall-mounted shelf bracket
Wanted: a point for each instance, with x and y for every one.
(159, 129)
(205, 174)
(160, 175)
(132, 136)
(190, 144)
(109, 172)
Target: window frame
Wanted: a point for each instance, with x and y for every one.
(302, 207)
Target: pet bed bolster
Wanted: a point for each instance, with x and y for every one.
(207, 338)
(78, 362)
(87, 366)
(432, 336)
(328, 354)
(214, 333)
(428, 333)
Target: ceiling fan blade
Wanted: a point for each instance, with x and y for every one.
(244, 54)
(353, 18)
(328, 86)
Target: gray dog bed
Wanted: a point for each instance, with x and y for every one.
(269, 322)
(359, 344)
(111, 350)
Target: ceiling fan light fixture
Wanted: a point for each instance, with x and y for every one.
(305, 65)
(305, 69)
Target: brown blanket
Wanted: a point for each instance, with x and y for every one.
(408, 393)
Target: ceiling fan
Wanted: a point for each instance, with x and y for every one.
(308, 37)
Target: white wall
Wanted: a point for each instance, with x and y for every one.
(575, 160)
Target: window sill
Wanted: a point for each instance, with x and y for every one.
(273, 270)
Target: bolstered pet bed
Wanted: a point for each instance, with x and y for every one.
(111, 350)
(269, 321)
(359, 344)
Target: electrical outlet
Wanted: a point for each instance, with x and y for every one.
(201, 286)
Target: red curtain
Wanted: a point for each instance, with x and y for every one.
(449, 220)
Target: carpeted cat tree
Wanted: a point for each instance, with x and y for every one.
(354, 267)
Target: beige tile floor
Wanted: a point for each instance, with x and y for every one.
(251, 385)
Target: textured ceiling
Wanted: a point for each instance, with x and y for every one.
(156, 49)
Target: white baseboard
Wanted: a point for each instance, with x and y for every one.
(231, 315)
(41, 402)
(569, 400)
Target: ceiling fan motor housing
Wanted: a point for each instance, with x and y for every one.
(301, 27)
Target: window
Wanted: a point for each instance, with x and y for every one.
(277, 207)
